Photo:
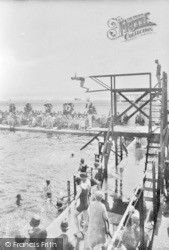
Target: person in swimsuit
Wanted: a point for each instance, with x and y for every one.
(61, 203)
(18, 200)
(158, 73)
(83, 190)
(82, 167)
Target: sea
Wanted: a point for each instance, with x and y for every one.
(28, 159)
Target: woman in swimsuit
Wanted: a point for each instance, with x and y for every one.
(83, 190)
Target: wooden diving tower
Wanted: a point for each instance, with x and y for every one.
(156, 134)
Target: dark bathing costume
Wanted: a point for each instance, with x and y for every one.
(49, 195)
(84, 201)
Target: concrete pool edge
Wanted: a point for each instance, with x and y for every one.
(51, 131)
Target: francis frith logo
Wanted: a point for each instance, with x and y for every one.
(131, 27)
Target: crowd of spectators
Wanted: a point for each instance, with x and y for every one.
(65, 119)
(49, 120)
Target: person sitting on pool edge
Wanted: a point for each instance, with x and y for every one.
(48, 190)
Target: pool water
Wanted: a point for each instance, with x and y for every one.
(26, 161)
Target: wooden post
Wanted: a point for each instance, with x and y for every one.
(105, 165)
(116, 164)
(115, 102)
(116, 152)
(74, 185)
(121, 149)
(158, 183)
(150, 111)
(100, 147)
(141, 210)
(68, 191)
(154, 191)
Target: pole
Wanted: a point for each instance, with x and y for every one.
(74, 185)
(154, 192)
(141, 210)
(68, 191)
(150, 114)
(111, 85)
(115, 102)
(121, 149)
(116, 164)
(158, 183)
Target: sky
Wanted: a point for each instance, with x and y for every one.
(44, 43)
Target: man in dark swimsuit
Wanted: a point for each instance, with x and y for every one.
(83, 190)
(82, 81)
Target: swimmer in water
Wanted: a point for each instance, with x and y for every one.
(48, 190)
(18, 200)
(72, 155)
(61, 203)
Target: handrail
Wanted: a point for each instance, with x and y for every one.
(140, 186)
(106, 141)
(157, 83)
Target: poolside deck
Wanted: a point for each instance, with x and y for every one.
(131, 168)
(161, 238)
(50, 131)
(119, 130)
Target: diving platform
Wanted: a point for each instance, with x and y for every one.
(53, 131)
(119, 130)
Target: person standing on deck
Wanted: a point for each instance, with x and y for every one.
(35, 228)
(83, 190)
(98, 218)
(158, 73)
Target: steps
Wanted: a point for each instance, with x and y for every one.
(151, 179)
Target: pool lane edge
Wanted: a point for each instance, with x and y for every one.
(47, 131)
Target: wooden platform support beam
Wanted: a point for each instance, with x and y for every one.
(141, 211)
(68, 191)
(154, 192)
(74, 186)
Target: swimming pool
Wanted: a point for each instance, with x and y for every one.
(26, 161)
